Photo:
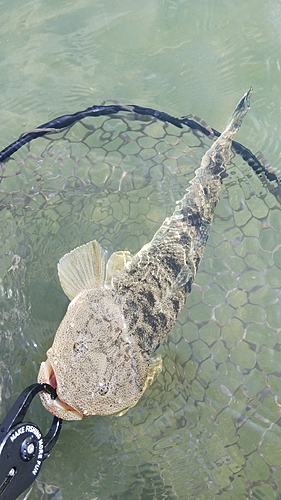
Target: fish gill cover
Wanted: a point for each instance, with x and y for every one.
(209, 427)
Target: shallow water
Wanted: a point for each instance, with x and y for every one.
(209, 427)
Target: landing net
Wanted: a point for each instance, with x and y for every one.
(209, 427)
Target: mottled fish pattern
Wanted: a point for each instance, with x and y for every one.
(121, 310)
(155, 285)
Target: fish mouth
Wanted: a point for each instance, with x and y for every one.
(56, 406)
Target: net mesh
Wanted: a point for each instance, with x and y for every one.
(209, 426)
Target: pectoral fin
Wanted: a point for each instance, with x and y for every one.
(116, 262)
(83, 268)
(155, 367)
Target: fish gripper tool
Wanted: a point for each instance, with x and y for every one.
(23, 448)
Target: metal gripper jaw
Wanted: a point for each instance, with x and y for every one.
(22, 445)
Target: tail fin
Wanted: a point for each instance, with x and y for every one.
(219, 153)
(240, 111)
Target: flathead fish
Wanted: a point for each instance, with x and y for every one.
(121, 309)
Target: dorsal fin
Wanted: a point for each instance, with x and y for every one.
(82, 268)
(116, 262)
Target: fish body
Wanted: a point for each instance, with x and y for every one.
(121, 310)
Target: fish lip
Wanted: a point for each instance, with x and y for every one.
(56, 406)
(51, 374)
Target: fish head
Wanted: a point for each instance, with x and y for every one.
(93, 364)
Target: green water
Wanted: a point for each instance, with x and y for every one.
(209, 427)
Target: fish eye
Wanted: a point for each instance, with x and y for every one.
(79, 347)
(103, 388)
